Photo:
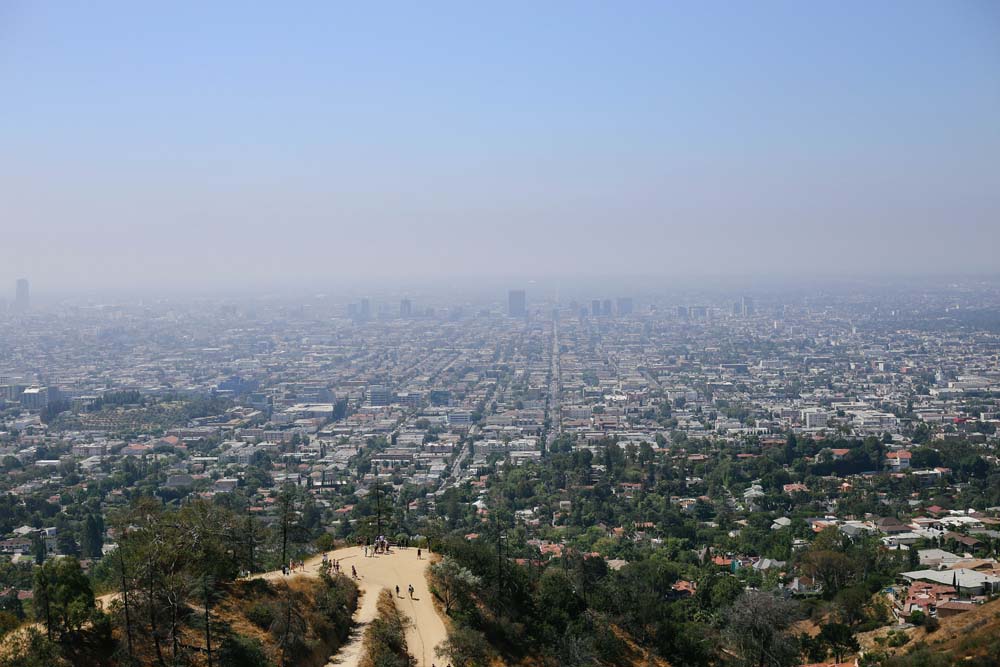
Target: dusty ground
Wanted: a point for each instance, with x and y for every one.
(401, 567)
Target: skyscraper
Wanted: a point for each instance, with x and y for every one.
(22, 300)
(366, 308)
(595, 307)
(517, 303)
(746, 306)
(624, 305)
(405, 308)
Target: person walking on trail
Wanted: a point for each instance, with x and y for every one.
(418, 554)
(397, 590)
(354, 572)
(411, 591)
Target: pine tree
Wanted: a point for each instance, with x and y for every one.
(38, 548)
(92, 537)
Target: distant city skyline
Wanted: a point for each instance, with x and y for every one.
(537, 141)
(419, 294)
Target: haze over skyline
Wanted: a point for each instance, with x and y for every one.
(224, 145)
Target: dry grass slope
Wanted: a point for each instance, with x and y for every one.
(385, 636)
(971, 639)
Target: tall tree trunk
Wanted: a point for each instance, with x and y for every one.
(208, 628)
(250, 537)
(48, 615)
(128, 620)
(152, 615)
(284, 537)
(175, 642)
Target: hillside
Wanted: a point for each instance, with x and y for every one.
(971, 639)
(255, 623)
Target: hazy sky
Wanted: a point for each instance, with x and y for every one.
(171, 144)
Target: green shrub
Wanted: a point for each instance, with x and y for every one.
(238, 651)
(385, 637)
(261, 615)
(898, 638)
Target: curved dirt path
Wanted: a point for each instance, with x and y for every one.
(425, 630)
(401, 567)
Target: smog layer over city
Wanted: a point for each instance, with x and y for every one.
(483, 335)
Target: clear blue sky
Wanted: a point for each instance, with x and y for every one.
(161, 143)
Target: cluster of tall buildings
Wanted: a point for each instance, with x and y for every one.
(604, 308)
(363, 310)
(517, 306)
(743, 307)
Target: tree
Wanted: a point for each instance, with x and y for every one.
(851, 603)
(326, 542)
(170, 563)
(289, 628)
(63, 597)
(832, 569)
(213, 543)
(38, 548)
(556, 595)
(67, 545)
(237, 651)
(92, 538)
(124, 590)
(286, 513)
(839, 639)
(756, 631)
(465, 647)
(452, 583)
(147, 553)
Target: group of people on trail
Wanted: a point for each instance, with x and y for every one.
(410, 590)
(330, 563)
(380, 546)
(293, 566)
